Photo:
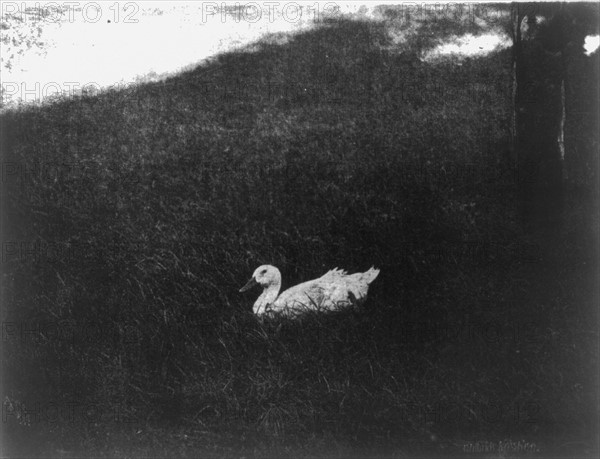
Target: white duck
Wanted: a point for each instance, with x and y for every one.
(331, 291)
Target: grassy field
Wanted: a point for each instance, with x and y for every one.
(132, 218)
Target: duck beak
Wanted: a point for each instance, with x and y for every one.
(251, 283)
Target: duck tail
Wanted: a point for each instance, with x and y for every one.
(370, 275)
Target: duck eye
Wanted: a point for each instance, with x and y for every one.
(264, 271)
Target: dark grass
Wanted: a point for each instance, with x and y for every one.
(359, 154)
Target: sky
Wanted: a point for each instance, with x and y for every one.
(123, 46)
(97, 45)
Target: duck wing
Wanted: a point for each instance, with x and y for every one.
(357, 285)
(363, 278)
(324, 293)
(331, 291)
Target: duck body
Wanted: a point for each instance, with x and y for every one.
(334, 290)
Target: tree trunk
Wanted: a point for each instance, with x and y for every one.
(539, 115)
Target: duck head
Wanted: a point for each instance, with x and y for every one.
(269, 278)
(265, 276)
